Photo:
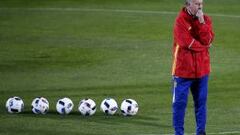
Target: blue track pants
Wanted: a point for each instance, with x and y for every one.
(199, 90)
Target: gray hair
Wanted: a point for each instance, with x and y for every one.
(188, 1)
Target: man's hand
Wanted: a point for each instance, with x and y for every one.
(200, 16)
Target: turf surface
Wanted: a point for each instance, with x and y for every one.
(109, 48)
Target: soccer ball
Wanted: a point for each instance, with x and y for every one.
(109, 106)
(14, 105)
(40, 105)
(87, 107)
(64, 106)
(129, 107)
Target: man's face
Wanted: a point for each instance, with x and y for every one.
(195, 5)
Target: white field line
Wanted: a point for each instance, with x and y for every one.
(114, 10)
(217, 133)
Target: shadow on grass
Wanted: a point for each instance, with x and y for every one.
(100, 118)
(90, 125)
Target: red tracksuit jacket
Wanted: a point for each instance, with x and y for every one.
(192, 41)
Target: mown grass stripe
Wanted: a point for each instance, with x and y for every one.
(115, 10)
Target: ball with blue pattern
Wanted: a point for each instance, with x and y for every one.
(129, 107)
(109, 106)
(40, 105)
(87, 107)
(64, 105)
(15, 105)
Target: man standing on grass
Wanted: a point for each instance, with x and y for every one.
(193, 36)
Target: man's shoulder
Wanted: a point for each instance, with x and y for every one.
(182, 19)
(182, 15)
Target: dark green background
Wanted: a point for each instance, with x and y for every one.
(109, 48)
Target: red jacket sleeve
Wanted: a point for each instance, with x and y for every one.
(206, 34)
(184, 38)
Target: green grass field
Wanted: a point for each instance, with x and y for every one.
(109, 48)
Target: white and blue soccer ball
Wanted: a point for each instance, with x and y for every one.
(40, 105)
(109, 106)
(129, 107)
(87, 107)
(14, 105)
(64, 105)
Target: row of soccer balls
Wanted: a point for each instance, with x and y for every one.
(86, 107)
